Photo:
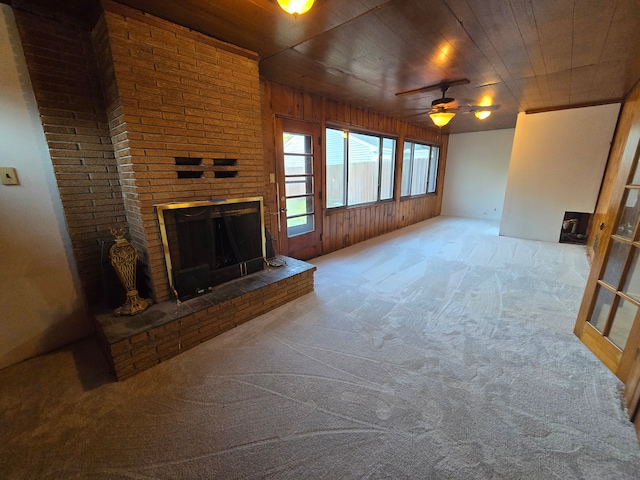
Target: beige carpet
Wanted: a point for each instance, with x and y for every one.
(441, 351)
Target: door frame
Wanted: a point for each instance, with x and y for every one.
(309, 245)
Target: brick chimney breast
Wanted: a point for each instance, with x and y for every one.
(184, 113)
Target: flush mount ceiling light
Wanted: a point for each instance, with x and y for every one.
(296, 7)
(441, 118)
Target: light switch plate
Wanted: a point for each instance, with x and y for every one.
(8, 176)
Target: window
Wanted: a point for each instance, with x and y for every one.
(360, 168)
(298, 179)
(419, 169)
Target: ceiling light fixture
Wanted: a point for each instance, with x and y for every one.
(441, 118)
(296, 7)
(482, 114)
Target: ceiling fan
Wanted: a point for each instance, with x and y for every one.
(443, 109)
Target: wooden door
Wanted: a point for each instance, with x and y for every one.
(609, 318)
(299, 172)
(632, 393)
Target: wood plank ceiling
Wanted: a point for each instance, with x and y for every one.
(525, 55)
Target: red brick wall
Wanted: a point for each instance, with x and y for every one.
(174, 93)
(66, 84)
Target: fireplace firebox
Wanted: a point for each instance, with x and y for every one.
(212, 242)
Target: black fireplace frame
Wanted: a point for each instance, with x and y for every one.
(218, 276)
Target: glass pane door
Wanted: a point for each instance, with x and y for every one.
(608, 322)
(618, 294)
(299, 183)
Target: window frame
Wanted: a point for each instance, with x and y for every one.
(429, 173)
(308, 178)
(380, 164)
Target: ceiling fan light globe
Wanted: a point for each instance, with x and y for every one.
(482, 114)
(440, 119)
(296, 7)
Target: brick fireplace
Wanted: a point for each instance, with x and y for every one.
(185, 120)
(184, 113)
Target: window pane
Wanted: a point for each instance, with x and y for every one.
(632, 283)
(617, 259)
(298, 164)
(300, 225)
(335, 144)
(604, 299)
(359, 168)
(388, 162)
(629, 217)
(297, 143)
(636, 175)
(299, 206)
(433, 170)
(406, 170)
(419, 169)
(363, 168)
(421, 155)
(298, 186)
(622, 322)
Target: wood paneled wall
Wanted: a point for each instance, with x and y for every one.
(346, 226)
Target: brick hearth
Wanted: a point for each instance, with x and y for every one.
(133, 344)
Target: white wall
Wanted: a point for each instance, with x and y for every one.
(40, 304)
(557, 164)
(476, 174)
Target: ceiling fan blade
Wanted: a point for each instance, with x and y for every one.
(434, 110)
(438, 86)
(475, 108)
(455, 109)
(418, 114)
(486, 108)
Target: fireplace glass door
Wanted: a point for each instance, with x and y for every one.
(208, 243)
